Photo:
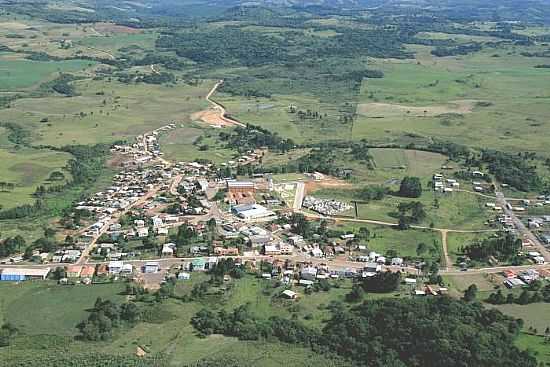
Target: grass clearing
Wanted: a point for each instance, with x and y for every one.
(194, 142)
(536, 315)
(18, 74)
(46, 308)
(536, 344)
(28, 168)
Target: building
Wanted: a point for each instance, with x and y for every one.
(234, 187)
(198, 264)
(271, 250)
(21, 274)
(289, 294)
(251, 211)
(87, 271)
(168, 249)
(74, 271)
(115, 267)
(222, 251)
(309, 273)
(151, 267)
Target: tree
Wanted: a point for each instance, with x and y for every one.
(523, 298)
(421, 249)
(356, 294)
(410, 187)
(471, 293)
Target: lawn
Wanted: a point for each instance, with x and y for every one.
(46, 308)
(18, 74)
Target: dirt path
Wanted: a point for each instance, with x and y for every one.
(448, 262)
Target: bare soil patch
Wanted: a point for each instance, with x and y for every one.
(327, 183)
(211, 117)
(13, 25)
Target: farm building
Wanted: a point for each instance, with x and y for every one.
(20, 274)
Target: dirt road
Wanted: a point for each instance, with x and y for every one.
(221, 109)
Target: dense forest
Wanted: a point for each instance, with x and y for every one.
(378, 333)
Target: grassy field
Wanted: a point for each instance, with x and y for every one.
(458, 210)
(384, 238)
(535, 344)
(456, 240)
(44, 308)
(18, 74)
(536, 315)
(57, 309)
(28, 168)
(178, 144)
(106, 111)
(439, 97)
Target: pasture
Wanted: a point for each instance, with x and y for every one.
(44, 308)
(191, 142)
(28, 168)
(463, 99)
(20, 74)
(106, 111)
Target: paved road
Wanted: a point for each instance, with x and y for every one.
(521, 228)
(299, 195)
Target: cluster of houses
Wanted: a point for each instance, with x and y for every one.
(444, 185)
(519, 279)
(325, 206)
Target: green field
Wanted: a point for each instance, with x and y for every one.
(438, 97)
(536, 344)
(106, 111)
(17, 74)
(178, 145)
(536, 315)
(45, 308)
(28, 168)
(384, 238)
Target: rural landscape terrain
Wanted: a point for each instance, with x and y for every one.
(302, 183)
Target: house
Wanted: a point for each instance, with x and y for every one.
(162, 231)
(127, 269)
(397, 261)
(73, 271)
(142, 232)
(317, 252)
(168, 249)
(87, 271)
(513, 283)
(151, 267)
(308, 273)
(306, 282)
(198, 264)
(289, 294)
(115, 267)
(296, 240)
(222, 251)
(286, 249)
